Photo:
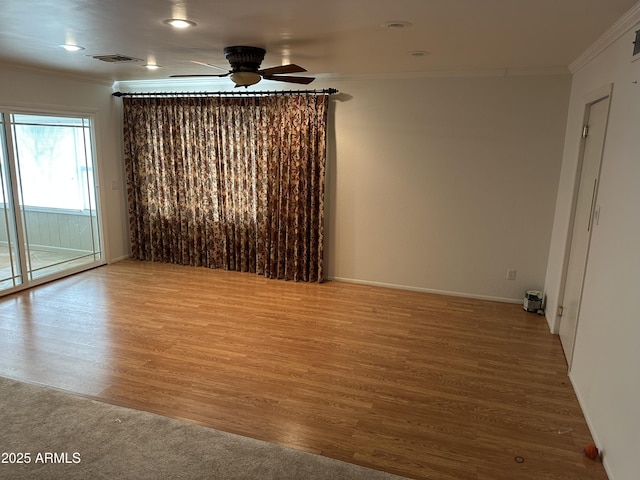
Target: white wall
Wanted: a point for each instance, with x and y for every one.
(439, 183)
(436, 184)
(606, 365)
(442, 184)
(46, 92)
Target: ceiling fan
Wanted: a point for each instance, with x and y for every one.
(245, 68)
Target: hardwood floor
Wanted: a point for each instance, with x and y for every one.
(424, 386)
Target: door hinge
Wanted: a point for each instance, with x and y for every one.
(585, 131)
(560, 310)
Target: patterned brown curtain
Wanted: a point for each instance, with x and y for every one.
(228, 182)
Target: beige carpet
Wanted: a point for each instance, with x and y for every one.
(46, 434)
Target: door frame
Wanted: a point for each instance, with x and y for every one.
(589, 100)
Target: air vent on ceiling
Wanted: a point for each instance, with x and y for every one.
(116, 58)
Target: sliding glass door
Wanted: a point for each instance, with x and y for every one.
(50, 216)
(10, 264)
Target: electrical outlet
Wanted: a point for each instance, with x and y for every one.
(511, 274)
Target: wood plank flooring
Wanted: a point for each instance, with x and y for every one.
(424, 386)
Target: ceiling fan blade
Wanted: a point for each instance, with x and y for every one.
(285, 78)
(291, 68)
(210, 65)
(201, 75)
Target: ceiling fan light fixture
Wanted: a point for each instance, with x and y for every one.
(244, 79)
(245, 68)
(179, 23)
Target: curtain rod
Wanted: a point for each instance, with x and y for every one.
(329, 91)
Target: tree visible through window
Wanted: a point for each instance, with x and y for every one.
(55, 156)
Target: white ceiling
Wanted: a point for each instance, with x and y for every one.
(342, 37)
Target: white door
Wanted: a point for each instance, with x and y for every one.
(583, 223)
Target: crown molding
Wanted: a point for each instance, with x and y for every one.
(617, 30)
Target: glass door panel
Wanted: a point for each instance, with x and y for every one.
(55, 227)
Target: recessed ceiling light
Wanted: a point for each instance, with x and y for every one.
(179, 23)
(71, 48)
(396, 25)
(151, 66)
(419, 53)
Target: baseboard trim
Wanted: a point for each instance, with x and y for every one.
(118, 259)
(427, 290)
(589, 425)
